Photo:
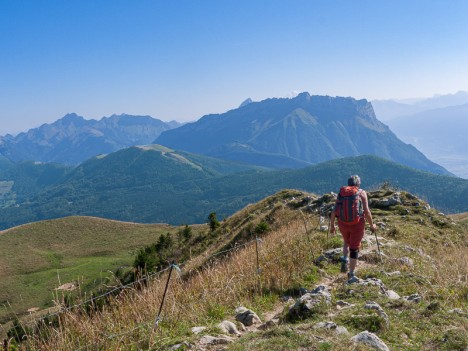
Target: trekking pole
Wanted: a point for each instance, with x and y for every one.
(378, 245)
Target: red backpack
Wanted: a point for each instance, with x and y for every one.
(348, 208)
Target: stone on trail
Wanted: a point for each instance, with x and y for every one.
(413, 298)
(197, 330)
(272, 323)
(322, 290)
(182, 346)
(340, 304)
(392, 295)
(371, 340)
(247, 317)
(228, 327)
(405, 261)
(325, 325)
(372, 281)
(216, 340)
(376, 307)
(332, 326)
(392, 274)
(309, 303)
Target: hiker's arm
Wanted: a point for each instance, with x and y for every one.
(367, 212)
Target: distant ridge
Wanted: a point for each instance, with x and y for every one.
(307, 129)
(389, 109)
(73, 139)
(439, 134)
(158, 185)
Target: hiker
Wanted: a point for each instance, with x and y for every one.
(352, 210)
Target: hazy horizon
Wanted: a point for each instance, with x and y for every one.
(181, 60)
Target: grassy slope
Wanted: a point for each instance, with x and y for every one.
(287, 255)
(38, 257)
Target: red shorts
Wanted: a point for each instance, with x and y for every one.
(352, 234)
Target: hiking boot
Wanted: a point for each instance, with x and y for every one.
(344, 264)
(352, 278)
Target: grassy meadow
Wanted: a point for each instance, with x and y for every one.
(37, 258)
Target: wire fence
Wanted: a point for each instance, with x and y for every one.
(144, 279)
(155, 324)
(152, 325)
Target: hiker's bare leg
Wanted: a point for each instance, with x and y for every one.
(345, 249)
(352, 265)
(353, 258)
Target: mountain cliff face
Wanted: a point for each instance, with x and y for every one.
(306, 129)
(73, 139)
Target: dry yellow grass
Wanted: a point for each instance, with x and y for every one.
(213, 291)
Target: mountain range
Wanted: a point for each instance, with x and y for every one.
(273, 133)
(155, 184)
(295, 132)
(73, 139)
(219, 163)
(433, 125)
(389, 109)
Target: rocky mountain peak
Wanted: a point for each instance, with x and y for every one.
(307, 128)
(246, 102)
(73, 139)
(71, 118)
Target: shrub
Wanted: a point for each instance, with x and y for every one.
(262, 228)
(213, 221)
(154, 257)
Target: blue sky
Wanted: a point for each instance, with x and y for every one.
(183, 59)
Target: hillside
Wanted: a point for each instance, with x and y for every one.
(143, 184)
(411, 297)
(311, 129)
(21, 181)
(82, 251)
(156, 184)
(73, 139)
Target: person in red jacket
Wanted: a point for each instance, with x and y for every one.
(352, 211)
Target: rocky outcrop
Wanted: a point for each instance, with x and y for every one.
(228, 327)
(308, 304)
(371, 305)
(371, 340)
(247, 317)
(215, 340)
(386, 202)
